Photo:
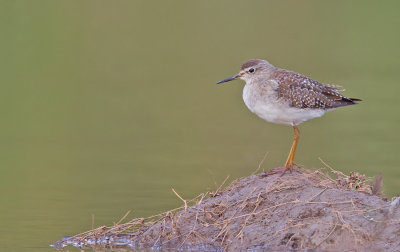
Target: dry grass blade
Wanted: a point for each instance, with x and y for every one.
(123, 218)
(259, 165)
(219, 188)
(184, 201)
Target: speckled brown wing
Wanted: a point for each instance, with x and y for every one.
(303, 92)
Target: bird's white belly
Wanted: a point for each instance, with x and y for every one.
(289, 115)
(272, 110)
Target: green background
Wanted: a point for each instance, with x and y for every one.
(107, 105)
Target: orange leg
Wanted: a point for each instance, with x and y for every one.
(289, 162)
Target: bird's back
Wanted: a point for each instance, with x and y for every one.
(303, 92)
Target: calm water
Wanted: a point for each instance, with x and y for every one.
(106, 106)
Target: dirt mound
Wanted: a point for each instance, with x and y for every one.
(266, 211)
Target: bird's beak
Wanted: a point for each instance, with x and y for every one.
(229, 79)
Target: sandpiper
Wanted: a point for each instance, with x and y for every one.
(285, 97)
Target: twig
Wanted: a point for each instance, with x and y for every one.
(264, 210)
(259, 165)
(127, 213)
(191, 231)
(223, 182)
(184, 201)
(318, 194)
(329, 203)
(332, 170)
(330, 233)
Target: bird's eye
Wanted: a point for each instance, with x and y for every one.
(251, 70)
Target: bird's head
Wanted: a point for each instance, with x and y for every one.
(250, 70)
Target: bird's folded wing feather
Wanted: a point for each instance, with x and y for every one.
(303, 92)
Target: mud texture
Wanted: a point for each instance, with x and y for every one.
(305, 210)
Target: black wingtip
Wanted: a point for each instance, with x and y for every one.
(355, 100)
(347, 101)
(351, 101)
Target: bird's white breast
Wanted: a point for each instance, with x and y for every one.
(263, 101)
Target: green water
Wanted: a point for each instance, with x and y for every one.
(107, 105)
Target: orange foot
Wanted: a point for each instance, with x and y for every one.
(288, 167)
(282, 170)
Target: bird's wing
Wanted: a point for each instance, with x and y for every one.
(303, 92)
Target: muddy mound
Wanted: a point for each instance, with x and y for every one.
(266, 211)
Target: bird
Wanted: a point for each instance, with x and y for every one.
(285, 97)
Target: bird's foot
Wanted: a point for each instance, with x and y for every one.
(281, 170)
(273, 171)
(289, 167)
